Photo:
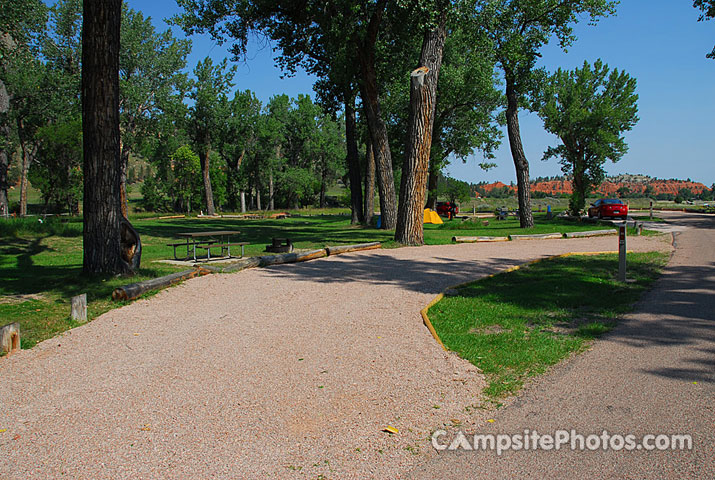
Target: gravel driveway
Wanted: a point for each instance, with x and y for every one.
(286, 372)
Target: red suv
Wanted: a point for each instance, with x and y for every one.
(444, 207)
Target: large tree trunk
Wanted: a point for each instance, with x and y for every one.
(353, 161)
(123, 166)
(243, 201)
(369, 181)
(258, 197)
(4, 156)
(4, 166)
(432, 184)
(526, 218)
(100, 121)
(376, 125)
(423, 99)
(578, 196)
(383, 158)
(210, 210)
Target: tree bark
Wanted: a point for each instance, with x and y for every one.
(423, 99)
(243, 201)
(578, 196)
(258, 197)
(369, 181)
(4, 157)
(383, 159)
(123, 165)
(376, 126)
(526, 218)
(353, 161)
(100, 120)
(210, 210)
(432, 184)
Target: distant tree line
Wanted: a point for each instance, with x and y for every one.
(379, 124)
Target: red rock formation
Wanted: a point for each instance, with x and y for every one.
(608, 188)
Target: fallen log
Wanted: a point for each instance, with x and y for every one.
(244, 263)
(537, 236)
(169, 217)
(479, 239)
(592, 233)
(267, 260)
(134, 290)
(352, 248)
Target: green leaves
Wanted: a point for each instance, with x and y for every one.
(588, 109)
(708, 9)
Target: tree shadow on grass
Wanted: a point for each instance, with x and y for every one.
(26, 276)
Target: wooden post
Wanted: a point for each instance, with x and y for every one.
(79, 308)
(10, 338)
(622, 253)
(651, 209)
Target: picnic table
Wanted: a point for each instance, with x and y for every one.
(206, 241)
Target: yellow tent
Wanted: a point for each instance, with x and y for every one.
(432, 217)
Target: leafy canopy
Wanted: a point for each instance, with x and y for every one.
(588, 109)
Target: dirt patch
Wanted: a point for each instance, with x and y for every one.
(19, 298)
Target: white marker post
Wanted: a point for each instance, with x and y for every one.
(622, 253)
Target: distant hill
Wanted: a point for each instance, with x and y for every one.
(636, 184)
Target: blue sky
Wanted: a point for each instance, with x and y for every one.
(659, 42)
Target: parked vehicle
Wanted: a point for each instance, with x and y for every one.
(443, 208)
(608, 207)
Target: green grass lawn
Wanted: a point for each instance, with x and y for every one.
(515, 325)
(41, 263)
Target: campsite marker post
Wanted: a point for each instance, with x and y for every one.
(622, 253)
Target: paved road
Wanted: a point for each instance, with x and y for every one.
(653, 374)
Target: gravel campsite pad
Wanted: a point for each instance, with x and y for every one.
(288, 371)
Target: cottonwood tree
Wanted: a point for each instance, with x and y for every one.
(589, 109)
(337, 35)
(239, 141)
(28, 107)
(103, 218)
(150, 79)
(187, 184)
(518, 30)
(466, 119)
(423, 99)
(53, 109)
(22, 24)
(327, 149)
(208, 114)
(468, 102)
(57, 173)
